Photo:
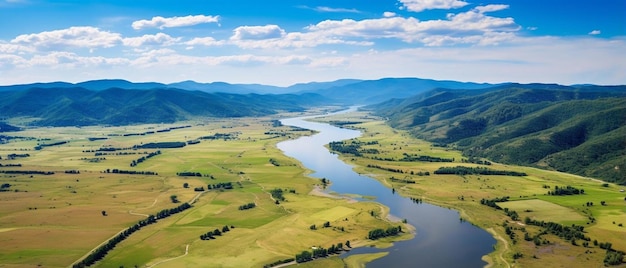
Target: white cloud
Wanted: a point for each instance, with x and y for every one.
(421, 5)
(388, 14)
(595, 32)
(337, 10)
(467, 27)
(162, 23)
(257, 32)
(205, 41)
(491, 8)
(85, 37)
(150, 40)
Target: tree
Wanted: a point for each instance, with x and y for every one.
(174, 198)
(104, 213)
(185, 185)
(326, 224)
(348, 243)
(225, 229)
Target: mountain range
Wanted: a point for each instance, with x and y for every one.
(578, 129)
(581, 130)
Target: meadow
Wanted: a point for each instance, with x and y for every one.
(56, 220)
(528, 197)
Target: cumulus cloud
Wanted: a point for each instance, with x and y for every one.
(467, 27)
(595, 32)
(162, 23)
(421, 5)
(257, 32)
(204, 41)
(388, 14)
(150, 40)
(85, 37)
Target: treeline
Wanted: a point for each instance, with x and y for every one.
(380, 233)
(14, 156)
(461, 170)
(100, 252)
(148, 132)
(130, 172)
(565, 232)
(160, 145)
(221, 185)
(424, 158)
(493, 202)
(220, 136)
(189, 174)
(42, 145)
(247, 206)
(353, 147)
(144, 158)
(212, 234)
(401, 180)
(27, 172)
(318, 252)
(395, 170)
(10, 165)
(567, 190)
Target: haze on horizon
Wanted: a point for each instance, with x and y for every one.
(280, 44)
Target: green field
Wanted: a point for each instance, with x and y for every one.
(528, 197)
(55, 220)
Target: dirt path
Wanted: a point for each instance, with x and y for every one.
(506, 247)
(170, 259)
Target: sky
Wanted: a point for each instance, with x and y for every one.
(283, 42)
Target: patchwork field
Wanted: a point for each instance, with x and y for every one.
(102, 180)
(384, 153)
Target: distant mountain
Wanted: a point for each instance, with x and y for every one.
(79, 106)
(575, 129)
(4, 127)
(315, 86)
(374, 91)
(118, 83)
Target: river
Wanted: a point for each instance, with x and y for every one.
(441, 240)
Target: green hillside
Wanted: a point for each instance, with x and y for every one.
(578, 130)
(81, 107)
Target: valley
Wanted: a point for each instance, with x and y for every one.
(85, 202)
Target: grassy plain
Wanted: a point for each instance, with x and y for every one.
(54, 220)
(528, 195)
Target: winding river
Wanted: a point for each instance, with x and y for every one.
(442, 239)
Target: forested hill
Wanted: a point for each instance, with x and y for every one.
(78, 106)
(580, 130)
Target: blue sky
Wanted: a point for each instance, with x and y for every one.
(291, 41)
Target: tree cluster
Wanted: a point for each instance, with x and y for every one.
(493, 202)
(567, 190)
(212, 234)
(221, 185)
(380, 233)
(158, 145)
(27, 172)
(144, 158)
(424, 158)
(277, 194)
(131, 172)
(247, 206)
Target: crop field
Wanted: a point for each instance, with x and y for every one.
(93, 182)
(601, 210)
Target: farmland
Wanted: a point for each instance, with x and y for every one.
(95, 193)
(601, 210)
